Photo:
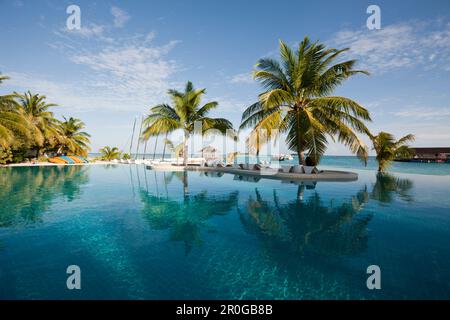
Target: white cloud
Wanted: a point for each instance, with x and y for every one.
(128, 75)
(68, 96)
(398, 46)
(242, 78)
(139, 73)
(423, 113)
(120, 17)
(91, 30)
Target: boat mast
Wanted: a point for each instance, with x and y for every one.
(132, 136)
(154, 150)
(139, 136)
(145, 149)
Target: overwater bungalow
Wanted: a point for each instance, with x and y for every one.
(428, 155)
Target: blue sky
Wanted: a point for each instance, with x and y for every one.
(128, 53)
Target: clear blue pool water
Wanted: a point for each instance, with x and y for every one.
(141, 234)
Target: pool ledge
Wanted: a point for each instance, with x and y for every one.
(325, 175)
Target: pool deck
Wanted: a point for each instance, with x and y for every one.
(325, 175)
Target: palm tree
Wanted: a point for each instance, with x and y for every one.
(44, 127)
(297, 100)
(75, 141)
(13, 125)
(109, 153)
(183, 113)
(388, 149)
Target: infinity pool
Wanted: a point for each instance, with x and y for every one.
(141, 234)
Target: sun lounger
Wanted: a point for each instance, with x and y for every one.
(210, 163)
(286, 169)
(297, 169)
(257, 167)
(310, 169)
(220, 164)
(69, 160)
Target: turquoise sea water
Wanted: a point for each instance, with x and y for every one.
(355, 163)
(347, 162)
(141, 234)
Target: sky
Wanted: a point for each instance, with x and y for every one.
(127, 54)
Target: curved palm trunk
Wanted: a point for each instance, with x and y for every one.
(381, 165)
(257, 147)
(164, 149)
(300, 153)
(301, 157)
(185, 148)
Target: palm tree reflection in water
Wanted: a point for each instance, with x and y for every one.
(311, 225)
(308, 224)
(186, 218)
(388, 186)
(302, 225)
(26, 193)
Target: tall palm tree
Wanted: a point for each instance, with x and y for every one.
(182, 115)
(13, 125)
(109, 153)
(45, 128)
(75, 140)
(388, 149)
(297, 100)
